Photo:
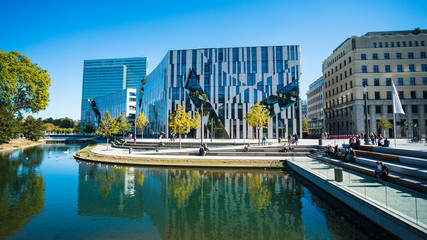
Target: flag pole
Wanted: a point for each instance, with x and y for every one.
(394, 127)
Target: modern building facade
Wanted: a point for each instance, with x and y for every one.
(304, 108)
(315, 107)
(233, 79)
(110, 84)
(121, 102)
(375, 60)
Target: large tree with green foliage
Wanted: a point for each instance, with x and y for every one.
(33, 129)
(9, 126)
(258, 116)
(23, 84)
(384, 124)
(123, 124)
(181, 122)
(107, 127)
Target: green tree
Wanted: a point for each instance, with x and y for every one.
(304, 123)
(49, 127)
(180, 122)
(77, 127)
(384, 124)
(258, 116)
(123, 124)
(9, 126)
(141, 122)
(107, 127)
(23, 84)
(89, 128)
(32, 129)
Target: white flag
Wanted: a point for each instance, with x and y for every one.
(397, 106)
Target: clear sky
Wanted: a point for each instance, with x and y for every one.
(59, 35)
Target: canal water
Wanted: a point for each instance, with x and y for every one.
(45, 194)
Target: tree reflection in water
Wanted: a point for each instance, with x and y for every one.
(182, 185)
(107, 178)
(258, 193)
(21, 189)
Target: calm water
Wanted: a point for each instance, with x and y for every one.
(44, 194)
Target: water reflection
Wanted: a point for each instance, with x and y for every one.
(201, 204)
(21, 189)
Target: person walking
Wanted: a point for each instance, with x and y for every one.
(264, 139)
(296, 138)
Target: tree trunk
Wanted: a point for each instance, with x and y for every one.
(179, 140)
(108, 139)
(142, 133)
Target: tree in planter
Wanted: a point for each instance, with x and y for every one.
(141, 122)
(32, 129)
(9, 126)
(304, 123)
(384, 124)
(123, 124)
(107, 127)
(258, 116)
(180, 122)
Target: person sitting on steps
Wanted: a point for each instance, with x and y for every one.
(386, 142)
(248, 147)
(203, 149)
(381, 171)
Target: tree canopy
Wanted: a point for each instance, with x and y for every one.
(123, 124)
(141, 122)
(9, 126)
(107, 126)
(304, 123)
(181, 122)
(23, 84)
(258, 116)
(33, 129)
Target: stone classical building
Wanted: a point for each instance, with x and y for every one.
(375, 59)
(315, 107)
(233, 80)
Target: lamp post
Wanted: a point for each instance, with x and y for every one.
(365, 96)
(201, 126)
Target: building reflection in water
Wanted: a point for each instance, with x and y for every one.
(200, 204)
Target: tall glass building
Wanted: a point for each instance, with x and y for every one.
(233, 79)
(108, 84)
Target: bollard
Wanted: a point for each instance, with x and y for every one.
(320, 142)
(338, 174)
(280, 140)
(130, 150)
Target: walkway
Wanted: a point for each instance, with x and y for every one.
(405, 204)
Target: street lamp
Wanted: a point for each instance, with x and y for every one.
(365, 96)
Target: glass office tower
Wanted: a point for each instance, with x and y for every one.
(233, 79)
(110, 77)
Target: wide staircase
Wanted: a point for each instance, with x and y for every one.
(267, 151)
(408, 168)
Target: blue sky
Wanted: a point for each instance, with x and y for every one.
(59, 35)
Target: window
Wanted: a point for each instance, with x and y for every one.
(388, 81)
(400, 81)
(350, 71)
(397, 44)
(377, 95)
(363, 56)
(364, 82)
(388, 94)
(364, 69)
(374, 45)
(414, 108)
(423, 67)
(378, 108)
(389, 108)
(392, 44)
(386, 44)
(132, 99)
(413, 94)
(132, 108)
(351, 84)
(422, 55)
(416, 43)
(403, 44)
(410, 43)
(374, 56)
(412, 81)
(424, 81)
(386, 56)
(399, 68)
(380, 45)
(410, 55)
(425, 96)
(401, 96)
(376, 69)
(376, 82)
(387, 68)
(422, 43)
(398, 56)
(411, 68)
(349, 59)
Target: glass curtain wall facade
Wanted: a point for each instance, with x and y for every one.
(106, 79)
(233, 80)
